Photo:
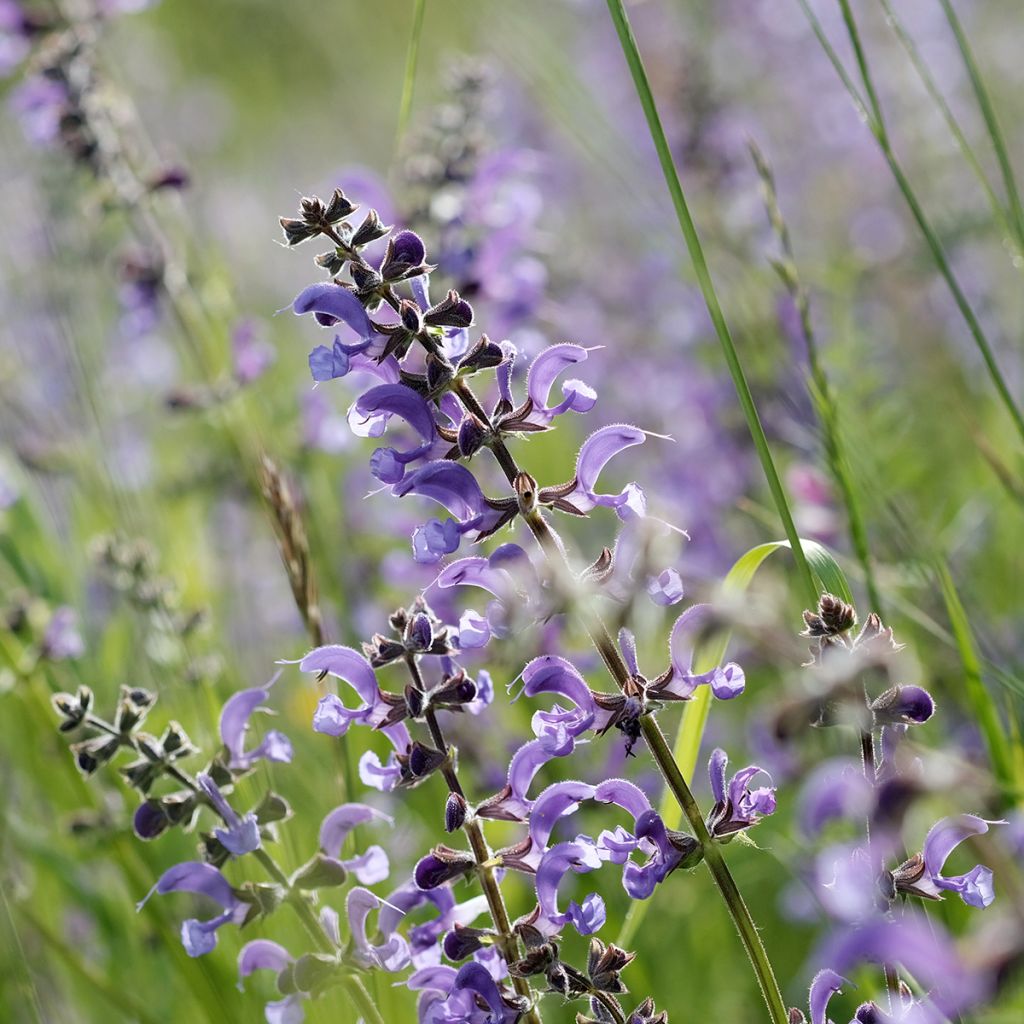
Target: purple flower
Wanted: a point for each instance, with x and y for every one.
(594, 455)
(381, 776)
(975, 887)
(369, 867)
(825, 985)
(726, 681)
(242, 834)
(921, 947)
(264, 955)
(544, 370)
(511, 803)
(332, 716)
(456, 997)
(562, 858)
(425, 938)
(666, 588)
(509, 575)
(903, 705)
(558, 729)
(199, 937)
(737, 807)
(331, 303)
(62, 639)
(234, 723)
(380, 404)
(390, 955)
(452, 485)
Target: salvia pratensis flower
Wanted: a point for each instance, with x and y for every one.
(199, 937)
(265, 955)
(922, 875)
(234, 724)
(369, 867)
(737, 806)
(242, 832)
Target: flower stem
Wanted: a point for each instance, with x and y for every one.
(707, 287)
(656, 742)
(509, 944)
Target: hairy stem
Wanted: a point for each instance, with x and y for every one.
(656, 742)
(482, 854)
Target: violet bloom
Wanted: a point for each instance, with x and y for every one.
(559, 728)
(737, 807)
(540, 378)
(242, 834)
(380, 404)
(234, 724)
(332, 717)
(385, 776)
(666, 588)
(595, 453)
(200, 937)
(331, 304)
(837, 788)
(511, 803)
(390, 955)
(455, 997)
(251, 353)
(452, 485)
(726, 681)
(975, 887)
(62, 639)
(562, 858)
(425, 939)
(825, 985)
(369, 867)
(264, 955)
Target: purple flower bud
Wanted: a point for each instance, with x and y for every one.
(150, 820)
(419, 635)
(455, 810)
(433, 871)
(909, 705)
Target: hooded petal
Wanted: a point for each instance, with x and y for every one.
(825, 985)
(449, 484)
(345, 664)
(399, 400)
(262, 955)
(331, 302)
(339, 823)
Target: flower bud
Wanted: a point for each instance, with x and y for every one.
(455, 810)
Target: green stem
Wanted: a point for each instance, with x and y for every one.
(508, 942)
(599, 636)
(989, 114)
(873, 116)
(411, 60)
(1014, 232)
(693, 244)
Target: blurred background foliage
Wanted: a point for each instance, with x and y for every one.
(264, 101)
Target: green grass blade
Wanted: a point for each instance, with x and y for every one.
(966, 150)
(988, 113)
(411, 61)
(982, 705)
(871, 112)
(707, 287)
